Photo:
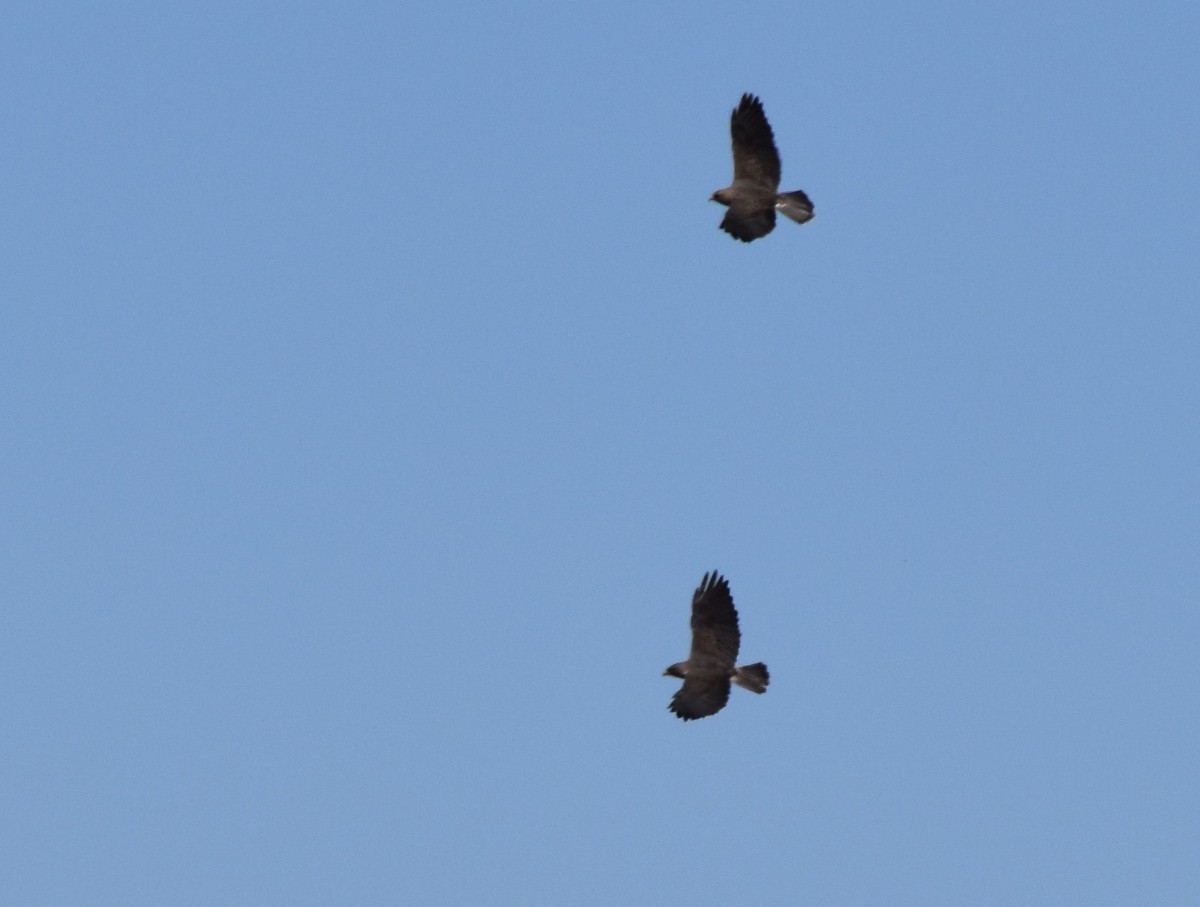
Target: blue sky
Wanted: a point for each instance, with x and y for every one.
(378, 386)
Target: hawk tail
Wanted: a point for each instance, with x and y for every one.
(752, 677)
(795, 205)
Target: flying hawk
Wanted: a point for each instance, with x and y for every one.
(754, 195)
(711, 665)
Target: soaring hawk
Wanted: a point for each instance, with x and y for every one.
(754, 195)
(711, 665)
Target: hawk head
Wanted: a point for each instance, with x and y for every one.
(679, 669)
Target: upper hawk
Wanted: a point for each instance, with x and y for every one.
(754, 196)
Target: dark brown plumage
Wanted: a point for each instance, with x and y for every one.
(753, 197)
(711, 665)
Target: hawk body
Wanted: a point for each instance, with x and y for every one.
(711, 667)
(753, 197)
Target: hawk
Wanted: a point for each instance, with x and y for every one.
(754, 195)
(711, 665)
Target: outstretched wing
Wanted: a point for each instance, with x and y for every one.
(700, 696)
(754, 154)
(748, 222)
(715, 635)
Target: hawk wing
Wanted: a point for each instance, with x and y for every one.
(715, 634)
(715, 641)
(748, 222)
(755, 157)
(700, 696)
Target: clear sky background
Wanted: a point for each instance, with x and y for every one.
(377, 387)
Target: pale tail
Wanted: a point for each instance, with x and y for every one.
(795, 205)
(753, 677)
